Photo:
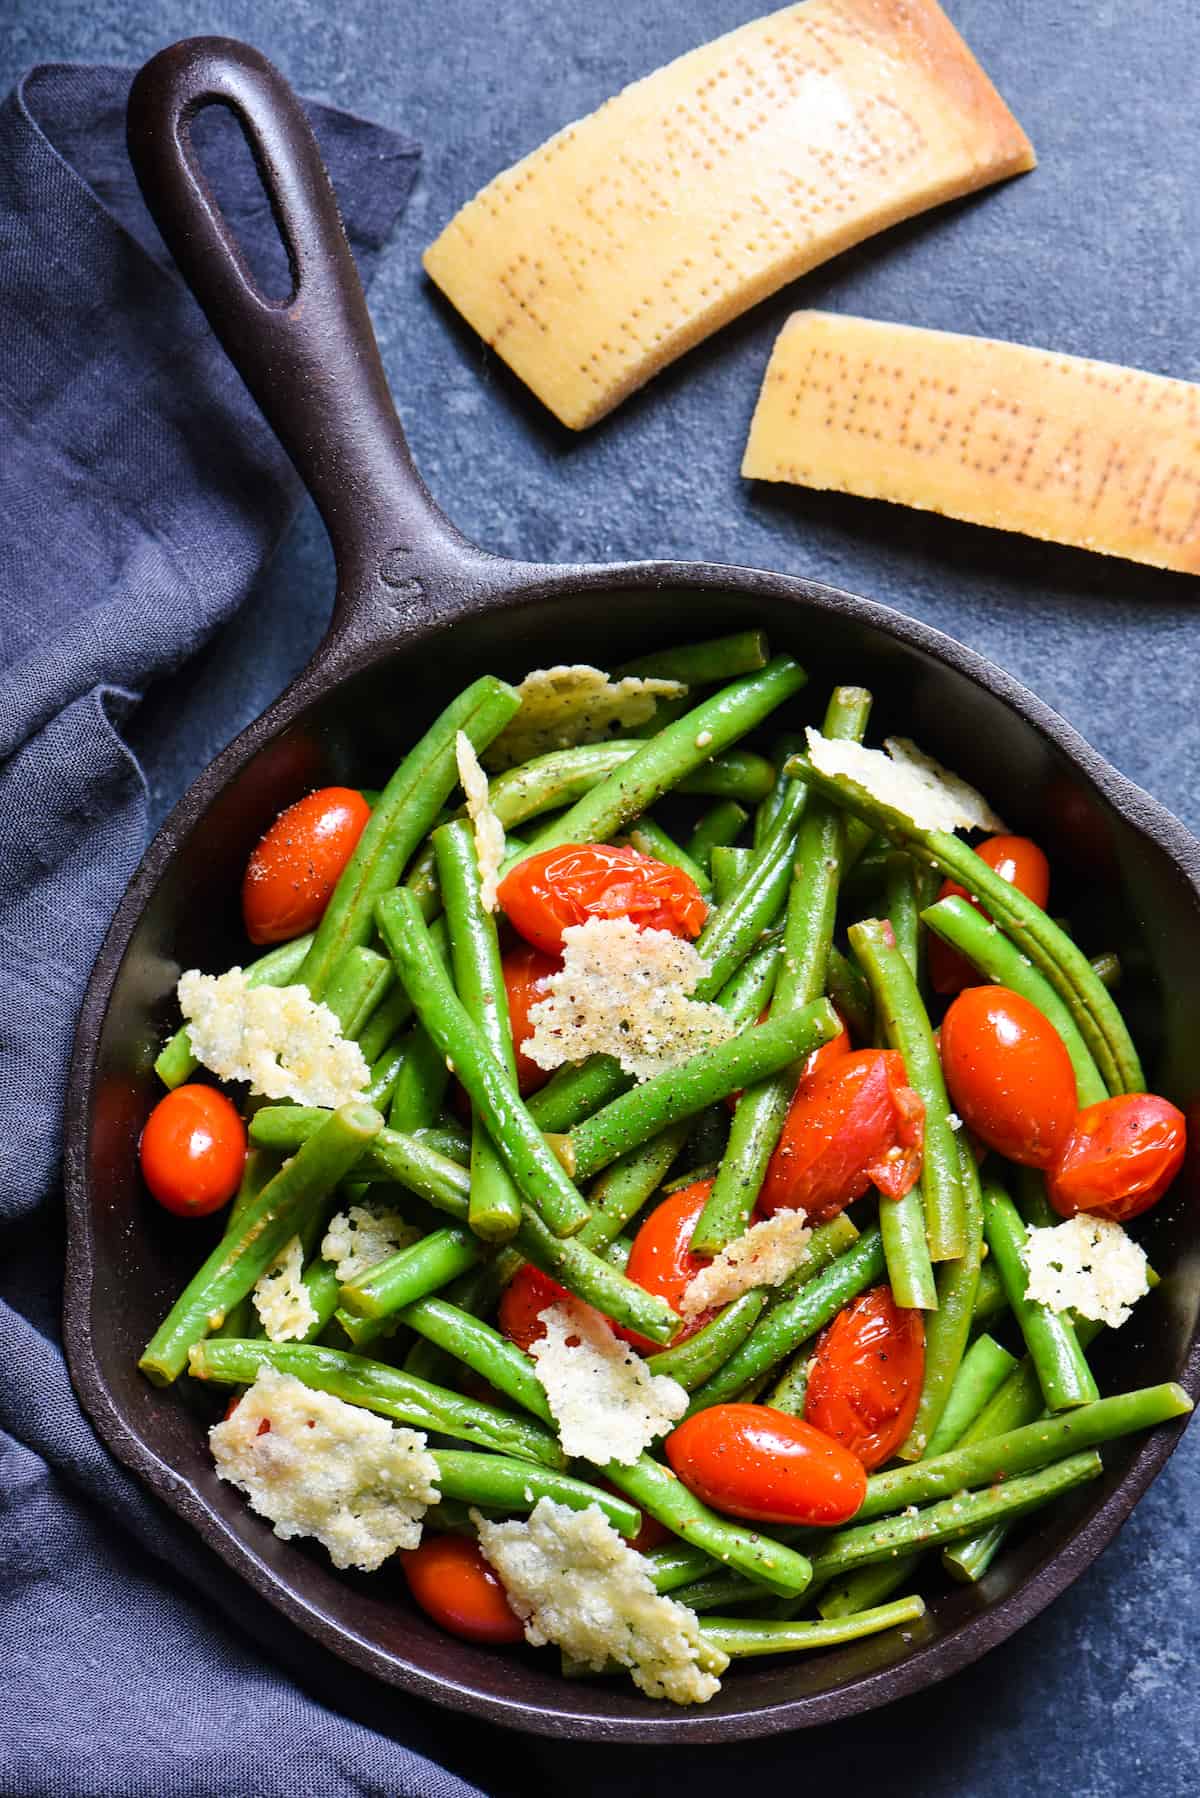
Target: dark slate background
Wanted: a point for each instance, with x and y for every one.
(1097, 252)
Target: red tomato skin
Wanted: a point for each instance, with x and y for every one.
(864, 1382)
(453, 1583)
(816, 1063)
(526, 970)
(662, 1262)
(527, 1295)
(1015, 859)
(546, 893)
(193, 1150)
(297, 862)
(766, 1466)
(840, 1135)
(1120, 1157)
(1008, 1073)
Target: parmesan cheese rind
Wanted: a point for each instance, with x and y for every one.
(576, 703)
(487, 828)
(575, 1583)
(906, 780)
(607, 1404)
(323, 1468)
(279, 1038)
(625, 992)
(698, 191)
(1088, 1265)
(1058, 447)
(282, 1300)
(764, 1256)
(362, 1236)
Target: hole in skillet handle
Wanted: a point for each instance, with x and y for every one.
(227, 160)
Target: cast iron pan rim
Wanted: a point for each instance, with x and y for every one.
(516, 585)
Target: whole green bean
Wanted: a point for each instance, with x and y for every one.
(948, 1328)
(500, 1483)
(1065, 1377)
(492, 1093)
(261, 1233)
(729, 869)
(741, 1636)
(627, 1183)
(649, 838)
(388, 1390)
(851, 994)
(982, 1371)
(719, 828)
(705, 1353)
(423, 1267)
(277, 967)
(703, 664)
(478, 1346)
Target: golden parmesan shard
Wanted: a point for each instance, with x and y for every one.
(1072, 451)
(693, 194)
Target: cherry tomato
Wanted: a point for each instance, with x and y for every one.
(525, 972)
(1009, 1075)
(450, 1580)
(577, 881)
(766, 1466)
(864, 1382)
(296, 865)
(193, 1150)
(527, 1295)
(1017, 860)
(661, 1259)
(855, 1125)
(1120, 1157)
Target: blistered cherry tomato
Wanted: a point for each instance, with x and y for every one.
(856, 1125)
(577, 881)
(864, 1382)
(1015, 859)
(1008, 1073)
(450, 1580)
(1120, 1157)
(816, 1062)
(525, 971)
(527, 1295)
(661, 1259)
(764, 1465)
(193, 1150)
(293, 871)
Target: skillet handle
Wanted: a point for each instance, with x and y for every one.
(310, 360)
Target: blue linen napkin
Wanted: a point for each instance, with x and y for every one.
(140, 495)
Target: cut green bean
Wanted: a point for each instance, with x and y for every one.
(576, 1091)
(705, 1353)
(783, 788)
(751, 908)
(791, 1388)
(385, 1071)
(982, 1371)
(481, 1348)
(677, 1564)
(902, 900)
(966, 929)
(948, 1328)
(851, 994)
(1107, 969)
(412, 1272)
(729, 869)
(626, 1184)
(387, 1390)
(719, 828)
(386, 1022)
(990, 1299)
(649, 838)
(739, 1637)
(420, 1084)
(447, 1138)
(703, 664)
(260, 1167)
(278, 967)
(261, 1233)
(903, 1227)
(1065, 1377)
(494, 1096)
(358, 982)
(499, 1483)
(738, 774)
(718, 1589)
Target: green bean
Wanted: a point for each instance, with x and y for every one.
(719, 828)
(481, 1348)
(795, 1319)
(649, 838)
(791, 1388)
(407, 807)
(1047, 946)
(677, 1564)
(738, 774)
(990, 1299)
(260, 1167)
(906, 1251)
(391, 1156)
(447, 1138)
(750, 909)
(1065, 1377)
(358, 982)
(719, 1588)
(1033, 1201)
(666, 759)
(263, 1230)
(1107, 969)
(428, 1362)
(626, 1184)
(741, 1636)
(958, 923)
(277, 967)
(747, 993)
(851, 994)
(576, 1091)
(596, 1280)
(684, 1091)
(321, 1283)
(703, 1354)
(386, 1022)
(902, 901)
(495, 1202)
(499, 1483)
(385, 1071)
(729, 869)
(703, 664)
(492, 1093)
(948, 1328)
(905, 1023)
(982, 1371)
(388, 1390)
(783, 788)
(420, 1085)
(412, 1272)
(656, 1490)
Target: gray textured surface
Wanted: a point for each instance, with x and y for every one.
(1096, 253)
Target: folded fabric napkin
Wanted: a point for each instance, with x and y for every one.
(141, 494)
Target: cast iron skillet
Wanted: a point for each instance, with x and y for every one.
(419, 613)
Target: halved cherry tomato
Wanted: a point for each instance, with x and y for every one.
(661, 1259)
(577, 881)
(293, 871)
(856, 1125)
(527, 1295)
(1015, 859)
(1008, 1073)
(450, 1580)
(525, 972)
(765, 1465)
(864, 1382)
(1120, 1157)
(193, 1150)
